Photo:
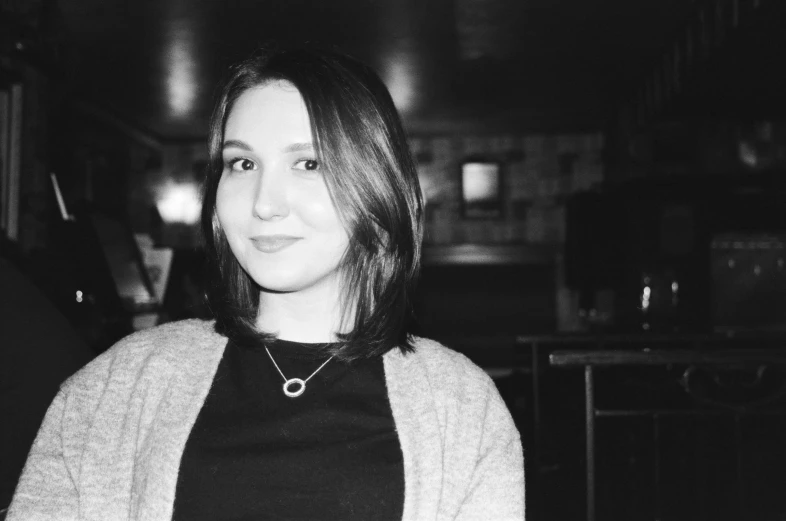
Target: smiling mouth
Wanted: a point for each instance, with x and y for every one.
(273, 243)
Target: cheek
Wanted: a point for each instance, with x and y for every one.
(226, 217)
(320, 214)
(325, 220)
(226, 208)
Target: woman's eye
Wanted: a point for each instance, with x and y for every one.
(241, 165)
(307, 164)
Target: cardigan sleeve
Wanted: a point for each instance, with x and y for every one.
(496, 489)
(46, 489)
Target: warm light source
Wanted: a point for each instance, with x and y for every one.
(400, 76)
(480, 181)
(179, 203)
(181, 79)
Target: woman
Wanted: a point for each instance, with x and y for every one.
(306, 398)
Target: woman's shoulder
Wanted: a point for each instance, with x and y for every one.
(440, 363)
(169, 345)
(183, 334)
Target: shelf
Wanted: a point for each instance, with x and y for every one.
(489, 254)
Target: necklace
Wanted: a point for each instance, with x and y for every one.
(299, 384)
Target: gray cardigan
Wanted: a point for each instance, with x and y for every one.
(110, 445)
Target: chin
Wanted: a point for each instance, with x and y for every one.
(286, 282)
(277, 283)
(280, 286)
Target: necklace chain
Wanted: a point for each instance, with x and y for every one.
(288, 382)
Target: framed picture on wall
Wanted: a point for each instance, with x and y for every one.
(481, 189)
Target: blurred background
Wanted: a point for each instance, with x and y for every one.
(605, 227)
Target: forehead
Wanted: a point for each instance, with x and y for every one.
(273, 110)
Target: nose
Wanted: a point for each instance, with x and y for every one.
(270, 201)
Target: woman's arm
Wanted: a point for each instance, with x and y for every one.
(46, 489)
(497, 487)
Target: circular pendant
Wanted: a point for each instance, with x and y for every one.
(299, 384)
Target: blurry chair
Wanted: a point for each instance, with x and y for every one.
(38, 350)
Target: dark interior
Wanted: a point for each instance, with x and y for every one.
(636, 243)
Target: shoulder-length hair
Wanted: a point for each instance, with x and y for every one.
(372, 181)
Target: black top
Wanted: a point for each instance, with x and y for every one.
(254, 453)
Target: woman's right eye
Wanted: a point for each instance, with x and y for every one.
(241, 164)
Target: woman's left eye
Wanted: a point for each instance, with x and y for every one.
(306, 164)
(241, 164)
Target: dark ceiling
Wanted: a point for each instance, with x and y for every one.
(519, 64)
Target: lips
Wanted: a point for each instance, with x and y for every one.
(273, 243)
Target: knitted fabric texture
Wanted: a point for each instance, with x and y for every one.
(110, 445)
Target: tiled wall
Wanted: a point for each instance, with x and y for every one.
(539, 171)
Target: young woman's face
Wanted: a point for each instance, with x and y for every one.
(272, 201)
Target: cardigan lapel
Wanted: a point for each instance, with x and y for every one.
(159, 461)
(412, 400)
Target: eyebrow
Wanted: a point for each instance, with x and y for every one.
(299, 147)
(236, 143)
(294, 147)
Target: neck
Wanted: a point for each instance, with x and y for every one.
(309, 317)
